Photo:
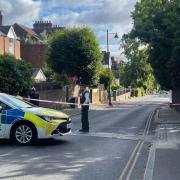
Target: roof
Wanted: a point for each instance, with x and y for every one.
(38, 75)
(21, 30)
(5, 29)
(2, 34)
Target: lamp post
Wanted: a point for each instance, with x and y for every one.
(109, 88)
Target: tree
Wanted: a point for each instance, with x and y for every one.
(75, 51)
(15, 75)
(137, 71)
(48, 72)
(157, 24)
(106, 78)
(118, 68)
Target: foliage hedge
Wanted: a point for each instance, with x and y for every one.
(15, 75)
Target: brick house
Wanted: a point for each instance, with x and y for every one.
(33, 46)
(26, 34)
(35, 54)
(33, 50)
(9, 42)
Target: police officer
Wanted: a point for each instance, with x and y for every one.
(84, 109)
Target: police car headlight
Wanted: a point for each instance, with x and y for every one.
(48, 118)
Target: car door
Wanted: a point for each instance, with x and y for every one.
(3, 117)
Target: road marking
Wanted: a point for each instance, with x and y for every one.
(115, 136)
(148, 175)
(148, 124)
(127, 171)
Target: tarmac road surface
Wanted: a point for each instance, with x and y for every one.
(116, 148)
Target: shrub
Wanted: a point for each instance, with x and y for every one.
(116, 87)
(15, 75)
(142, 91)
(138, 92)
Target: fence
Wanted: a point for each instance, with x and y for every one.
(121, 94)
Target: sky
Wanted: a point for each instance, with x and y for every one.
(100, 15)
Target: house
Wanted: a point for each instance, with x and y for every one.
(45, 26)
(106, 59)
(34, 41)
(33, 49)
(38, 75)
(26, 34)
(9, 42)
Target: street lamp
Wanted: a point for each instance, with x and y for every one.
(116, 37)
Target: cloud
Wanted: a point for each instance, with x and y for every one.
(100, 15)
(72, 3)
(21, 11)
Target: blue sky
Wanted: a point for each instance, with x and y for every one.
(100, 15)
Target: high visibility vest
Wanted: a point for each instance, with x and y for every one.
(83, 98)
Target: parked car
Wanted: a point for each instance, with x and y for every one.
(23, 122)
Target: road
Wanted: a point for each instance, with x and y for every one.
(116, 148)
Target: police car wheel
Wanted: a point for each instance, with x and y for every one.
(23, 134)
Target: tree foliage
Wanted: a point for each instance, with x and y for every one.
(157, 24)
(48, 72)
(106, 78)
(118, 69)
(137, 71)
(75, 51)
(15, 75)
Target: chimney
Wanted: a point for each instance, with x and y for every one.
(1, 19)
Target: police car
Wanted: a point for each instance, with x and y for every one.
(23, 122)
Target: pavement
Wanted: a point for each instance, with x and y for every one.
(125, 104)
(164, 157)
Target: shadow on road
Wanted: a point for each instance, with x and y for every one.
(42, 142)
(68, 158)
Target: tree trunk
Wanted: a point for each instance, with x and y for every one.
(176, 99)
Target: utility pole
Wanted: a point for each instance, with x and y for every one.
(109, 69)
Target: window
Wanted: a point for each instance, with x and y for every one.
(16, 102)
(4, 106)
(11, 45)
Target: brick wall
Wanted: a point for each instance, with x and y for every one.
(1, 45)
(53, 92)
(17, 51)
(6, 45)
(34, 54)
(98, 95)
(122, 97)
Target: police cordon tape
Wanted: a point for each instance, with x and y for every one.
(121, 105)
(61, 102)
(93, 106)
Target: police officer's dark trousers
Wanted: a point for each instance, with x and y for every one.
(84, 117)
